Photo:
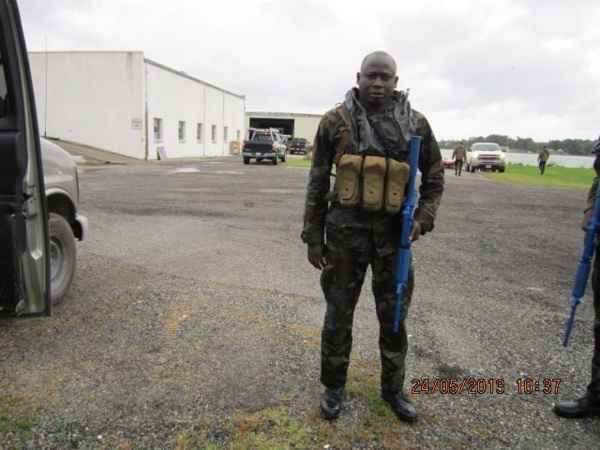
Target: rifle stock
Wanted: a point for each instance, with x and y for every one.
(583, 267)
(404, 253)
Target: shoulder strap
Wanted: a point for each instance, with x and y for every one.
(346, 135)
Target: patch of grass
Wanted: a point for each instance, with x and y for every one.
(554, 176)
(304, 162)
(16, 419)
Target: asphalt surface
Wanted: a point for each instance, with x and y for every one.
(193, 296)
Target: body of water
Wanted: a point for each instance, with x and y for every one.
(530, 159)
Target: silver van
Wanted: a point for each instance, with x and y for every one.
(64, 221)
(39, 193)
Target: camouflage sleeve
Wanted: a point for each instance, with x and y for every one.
(432, 174)
(591, 198)
(315, 208)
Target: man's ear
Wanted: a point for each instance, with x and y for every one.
(357, 77)
(395, 82)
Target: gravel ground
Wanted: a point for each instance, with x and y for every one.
(194, 312)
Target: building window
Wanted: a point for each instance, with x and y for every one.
(225, 135)
(158, 129)
(199, 133)
(181, 131)
(213, 134)
(238, 135)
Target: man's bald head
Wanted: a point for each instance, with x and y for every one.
(377, 80)
(378, 54)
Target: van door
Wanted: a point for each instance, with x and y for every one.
(24, 237)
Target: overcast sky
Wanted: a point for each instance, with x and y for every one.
(522, 68)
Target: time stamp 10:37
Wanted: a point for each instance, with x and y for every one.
(479, 386)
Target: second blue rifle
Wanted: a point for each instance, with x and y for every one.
(583, 267)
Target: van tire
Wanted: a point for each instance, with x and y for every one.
(63, 257)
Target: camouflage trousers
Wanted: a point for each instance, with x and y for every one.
(341, 281)
(593, 388)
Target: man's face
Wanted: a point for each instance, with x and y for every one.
(376, 81)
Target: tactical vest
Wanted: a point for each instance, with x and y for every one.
(372, 183)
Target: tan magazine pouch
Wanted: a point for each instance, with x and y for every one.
(373, 173)
(348, 173)
(398, 174)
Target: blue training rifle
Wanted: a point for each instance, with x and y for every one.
(403, 257)
(584, 265)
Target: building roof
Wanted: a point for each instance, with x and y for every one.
(281, 114)
(149, 61)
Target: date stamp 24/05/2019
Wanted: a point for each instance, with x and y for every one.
(480, 386)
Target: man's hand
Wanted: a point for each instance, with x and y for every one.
(415, 232)
(587, 215)
(316, 255)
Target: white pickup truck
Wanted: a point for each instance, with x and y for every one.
(486, 156)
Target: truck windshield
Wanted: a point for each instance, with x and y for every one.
(486, 147)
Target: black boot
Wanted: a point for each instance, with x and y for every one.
(331, 402)
(577, 409)
(400, 404)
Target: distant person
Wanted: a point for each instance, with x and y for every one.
(543, 158)
(375, 122)
(589, 404)
(459, 155)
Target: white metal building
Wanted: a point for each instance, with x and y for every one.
(127, 104)
(297, 125)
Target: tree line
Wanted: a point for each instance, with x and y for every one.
(569, 146)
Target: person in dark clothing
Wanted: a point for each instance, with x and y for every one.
(543, 159)
(589, 404)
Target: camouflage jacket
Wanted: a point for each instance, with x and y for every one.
(591, 198)
(321, 198)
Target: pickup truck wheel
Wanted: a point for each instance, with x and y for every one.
(275, 161)
(63, 255)
(472, 169)
(284, 157)
(246, 160)
(501, 169)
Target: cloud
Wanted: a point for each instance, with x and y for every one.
(527, 67)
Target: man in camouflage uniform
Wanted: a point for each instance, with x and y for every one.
(589, 404)
(378, 121)
(459, 155)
